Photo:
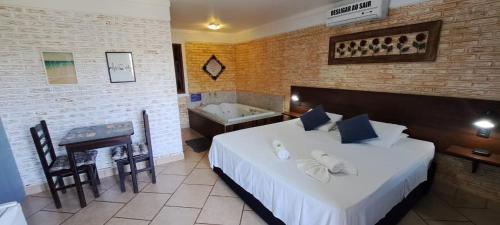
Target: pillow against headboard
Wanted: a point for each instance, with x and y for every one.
(356, 129)
(314, 118)
(388, 134)
(330, 125)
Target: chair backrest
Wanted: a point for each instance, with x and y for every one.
(43, 144)
(147, 133)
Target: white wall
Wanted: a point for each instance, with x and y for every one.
(26, 98)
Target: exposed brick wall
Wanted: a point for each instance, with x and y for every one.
(26, 98)
(197, 55)
(468, 63)
(183, 112)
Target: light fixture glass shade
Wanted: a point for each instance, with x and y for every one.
(295, 98)
(213, 26)
(484, 124)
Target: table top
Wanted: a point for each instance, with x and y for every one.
(99, 132)
(463, 152)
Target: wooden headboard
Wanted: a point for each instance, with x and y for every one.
(444, 121)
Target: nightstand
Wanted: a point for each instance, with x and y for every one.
(291, 115)
(466, 153)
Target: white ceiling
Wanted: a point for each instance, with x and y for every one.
(236, 15)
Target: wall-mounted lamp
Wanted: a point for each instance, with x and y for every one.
(295, 98)
(484, 125)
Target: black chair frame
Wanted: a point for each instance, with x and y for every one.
(45, 148)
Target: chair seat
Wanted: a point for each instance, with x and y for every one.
(81, 158)
(119, 153)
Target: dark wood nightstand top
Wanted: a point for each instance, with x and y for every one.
(292, 114)
(466, 153)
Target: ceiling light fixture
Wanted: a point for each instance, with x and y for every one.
(214, 26)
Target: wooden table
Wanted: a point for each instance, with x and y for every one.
(87, 138)
(466, 153)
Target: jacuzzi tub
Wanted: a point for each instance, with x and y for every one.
(214, 119)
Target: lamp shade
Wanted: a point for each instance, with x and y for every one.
(485, 124)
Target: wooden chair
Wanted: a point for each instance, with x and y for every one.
(147, 157)
(58, 166)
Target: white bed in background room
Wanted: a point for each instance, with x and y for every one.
(386, 175)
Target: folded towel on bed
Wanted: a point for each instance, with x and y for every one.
(334, 164)
(314, 169)
(280, 150)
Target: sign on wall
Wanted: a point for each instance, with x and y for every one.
(120, 67)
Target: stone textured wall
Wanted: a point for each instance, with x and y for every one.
(26, 98)
(197, 55)
(183, 113)
(468, 63)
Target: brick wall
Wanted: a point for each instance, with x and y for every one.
(26, 98)
(197, 55)
(183, 112)
(468, 63)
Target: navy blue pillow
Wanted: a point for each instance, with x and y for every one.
(356, 129)
(314, 118)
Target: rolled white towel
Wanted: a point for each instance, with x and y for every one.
(280, 150)
(314, 169)
(334, 164)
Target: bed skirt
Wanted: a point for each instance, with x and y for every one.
(391, 218)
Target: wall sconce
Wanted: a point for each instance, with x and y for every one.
(295, 98)
(484, 125)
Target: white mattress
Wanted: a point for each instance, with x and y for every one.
(385, 177)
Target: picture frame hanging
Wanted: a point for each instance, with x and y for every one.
(409, 43)
(213, 67)
(59, 68)
(120, 67)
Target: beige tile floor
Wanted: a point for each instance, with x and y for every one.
(187, 192)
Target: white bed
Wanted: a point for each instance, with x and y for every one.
(385, 177)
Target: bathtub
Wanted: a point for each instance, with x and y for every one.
(213, 119)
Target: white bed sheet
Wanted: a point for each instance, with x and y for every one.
(385, 177)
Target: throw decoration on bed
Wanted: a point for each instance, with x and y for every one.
(410, 43)
(280, 150)
(213, 67)
(322, 165)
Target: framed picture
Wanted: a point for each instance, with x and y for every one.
(59, 67)
(120, 67)
(409, 43)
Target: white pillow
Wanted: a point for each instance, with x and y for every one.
(330, 125)
(388, 134)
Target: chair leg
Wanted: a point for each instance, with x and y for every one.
(93, 182)
(60, 182)
(152, 169)
(98, 180)
(53, 192)
(121, 175)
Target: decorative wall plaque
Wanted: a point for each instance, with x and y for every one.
(120, 67)
(410, 43)
(213, 67)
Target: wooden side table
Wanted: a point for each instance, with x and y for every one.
(466, 153)
(291, 115)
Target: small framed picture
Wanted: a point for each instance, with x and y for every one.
(120, 67)
(59, 67)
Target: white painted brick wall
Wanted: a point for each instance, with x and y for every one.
(26, 98)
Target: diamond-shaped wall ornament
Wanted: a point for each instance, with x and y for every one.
(213, 67)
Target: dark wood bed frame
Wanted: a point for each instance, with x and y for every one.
(441, 120)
